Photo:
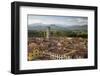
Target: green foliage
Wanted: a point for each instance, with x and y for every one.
(36, 34)
(60, 33)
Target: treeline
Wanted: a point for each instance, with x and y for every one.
(62, 33)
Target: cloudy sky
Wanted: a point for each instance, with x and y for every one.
(64, 20)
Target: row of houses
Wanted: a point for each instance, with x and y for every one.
(35, 54)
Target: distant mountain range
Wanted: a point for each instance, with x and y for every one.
(42, 27)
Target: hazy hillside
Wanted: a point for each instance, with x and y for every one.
(42, 27)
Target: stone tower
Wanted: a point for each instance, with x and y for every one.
(48, 32)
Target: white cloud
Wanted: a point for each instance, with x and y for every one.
(32, 21)
(66, 20)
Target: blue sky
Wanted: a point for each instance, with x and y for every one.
(64, 20)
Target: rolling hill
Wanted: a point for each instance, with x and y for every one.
(42, 27)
